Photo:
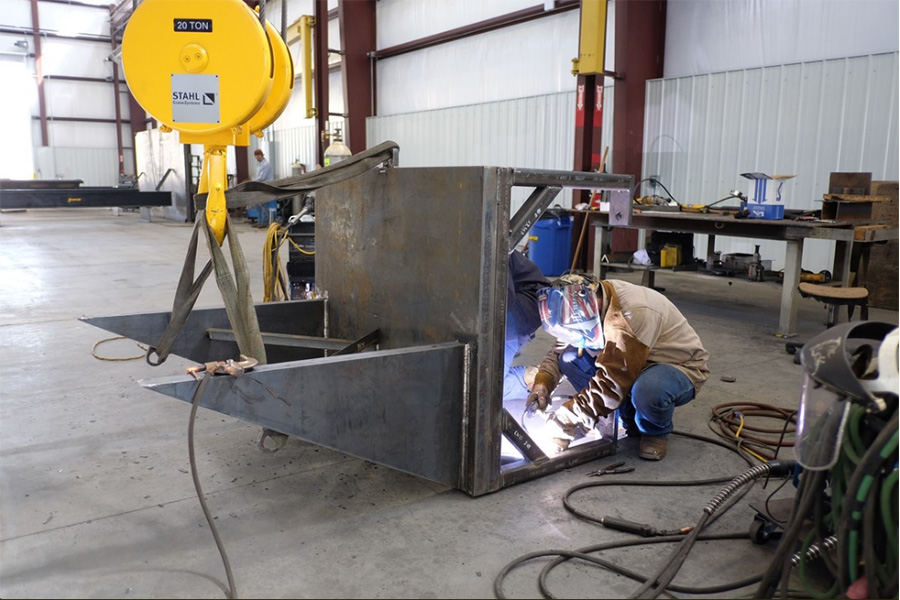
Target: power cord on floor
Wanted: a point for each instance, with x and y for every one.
(195, 404)
(116, 358)
(658, 583)
(734, 425)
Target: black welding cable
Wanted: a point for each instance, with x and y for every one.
(717, 442)
(892, 584)
(679, 555)
(682, 589)
(822, 532)
(640, 482)
(670, 568)
(810, 491)
(726, 498)
(656, 583)
(561, 556)
(195, 404)
(567, 503)
(666, 573)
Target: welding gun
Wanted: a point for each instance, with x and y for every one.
(641, 529)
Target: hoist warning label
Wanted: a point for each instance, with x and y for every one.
(195, 98)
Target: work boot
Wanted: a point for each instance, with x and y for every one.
(652, 448)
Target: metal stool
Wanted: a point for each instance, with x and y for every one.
(836, 297)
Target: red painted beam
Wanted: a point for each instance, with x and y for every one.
(640, 47)
(320, 73)
(118, 105)
(357, 26)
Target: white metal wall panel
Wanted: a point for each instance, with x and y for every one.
(17, 13)
(401, 21)
(82, 99)
(61, 56)
(706, 36)
(536, 132)
(94, 166)
(71, 134)
(74, 19)
(808, 119)
(294, 144)
(528, 59)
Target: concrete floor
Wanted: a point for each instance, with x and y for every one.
(97, 499)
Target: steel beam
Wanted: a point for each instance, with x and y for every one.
(82, 197)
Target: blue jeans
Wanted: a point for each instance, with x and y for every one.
(513, 377)
(655, 394)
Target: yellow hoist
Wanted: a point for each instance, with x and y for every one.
(213, 72)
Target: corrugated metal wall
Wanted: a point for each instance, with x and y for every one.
(295, 144)
(808, 119)
(536, 132)
(94, 166)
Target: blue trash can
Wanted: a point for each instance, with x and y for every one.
(550, 245)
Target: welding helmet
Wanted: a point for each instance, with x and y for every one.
(570, 310)
(848, 363)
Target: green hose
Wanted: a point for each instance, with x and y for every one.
(889, 501)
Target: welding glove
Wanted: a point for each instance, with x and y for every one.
(563, 427)
(539, 398)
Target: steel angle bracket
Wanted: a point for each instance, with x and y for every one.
(547, 184)
(519, 438)
(399, 408)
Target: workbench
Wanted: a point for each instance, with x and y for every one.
(793, 232)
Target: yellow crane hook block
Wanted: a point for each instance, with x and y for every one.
(205, 68)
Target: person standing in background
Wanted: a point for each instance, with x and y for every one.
(264, 169)
(263, 173)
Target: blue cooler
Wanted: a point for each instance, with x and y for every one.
(550, 245)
